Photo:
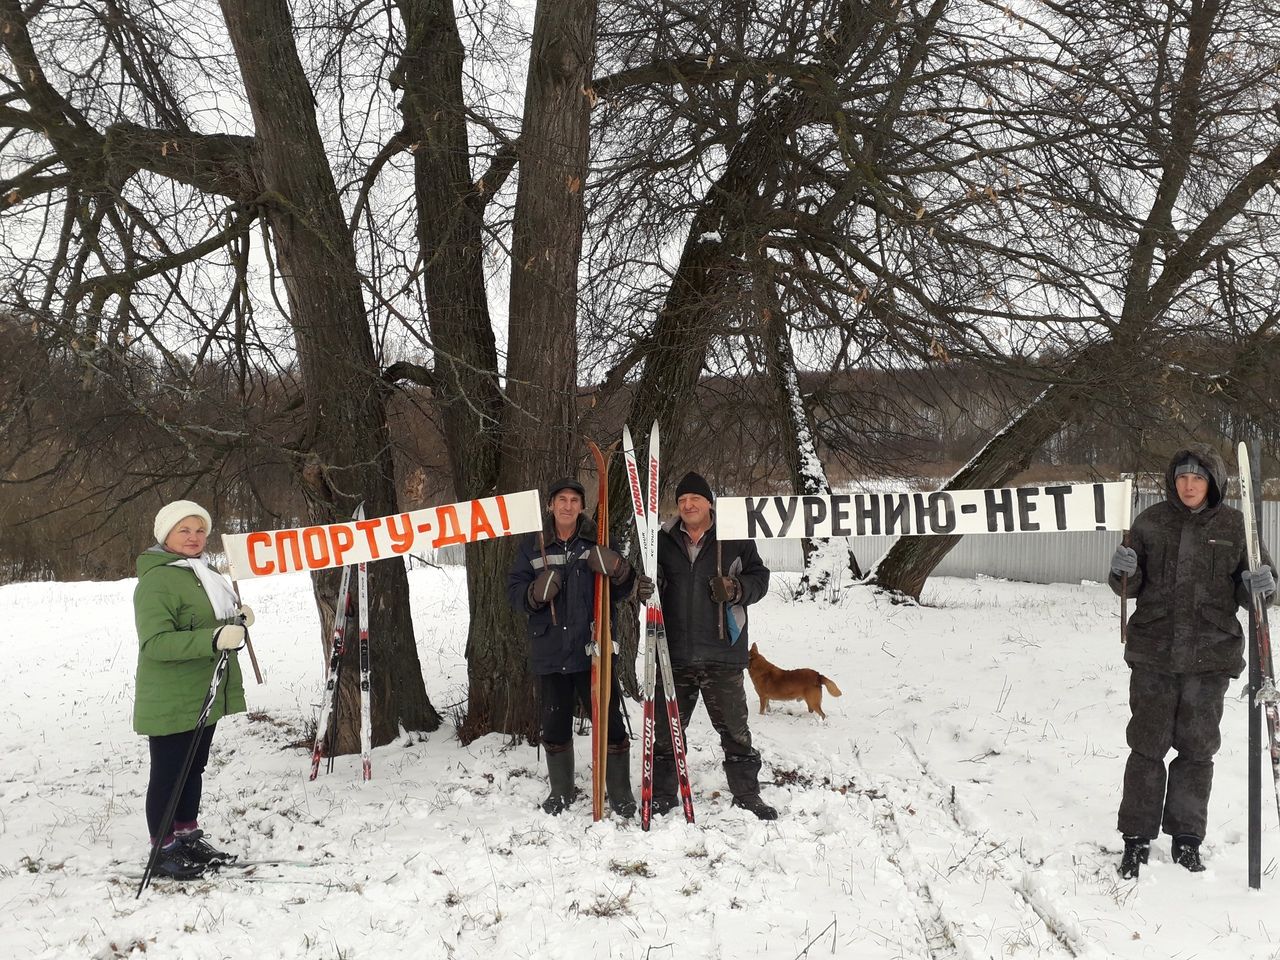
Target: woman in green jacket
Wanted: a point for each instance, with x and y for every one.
(186, 614)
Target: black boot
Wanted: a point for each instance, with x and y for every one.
(617, 780)
(175, 864)
(201, 850)
(743, 774)
(664, 786)
(1186, 852)
(1136, 852)
(560, 775)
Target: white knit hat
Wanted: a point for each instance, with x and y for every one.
(171, 514)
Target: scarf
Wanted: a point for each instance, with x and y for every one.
(218, 588)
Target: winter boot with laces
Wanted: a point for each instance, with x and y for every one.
(1186, 852)
(174, 863)
(1136, 852)
(201, 850)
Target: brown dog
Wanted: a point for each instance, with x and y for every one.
(774, 683)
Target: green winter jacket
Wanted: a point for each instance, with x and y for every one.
(176, 624)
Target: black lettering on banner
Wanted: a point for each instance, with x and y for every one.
(1059, 494)
(897, 511)
(786, 507)
(840, 515)
(1100, 506)
(866, 509)
(756, 527)
(1002, 509)
(1026, 507)
(942, 512)
(917, 502)
(815, 511)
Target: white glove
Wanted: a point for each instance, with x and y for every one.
(246, 615)
(230, 637)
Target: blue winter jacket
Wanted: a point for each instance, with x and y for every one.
(560, 647)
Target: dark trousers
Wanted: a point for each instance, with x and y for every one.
(561, 692)
(1182, 712)
(167, 754)
(726, 701)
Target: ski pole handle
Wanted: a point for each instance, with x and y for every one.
(542, 548)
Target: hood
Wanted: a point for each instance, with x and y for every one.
(1212, 461)
(156, 556)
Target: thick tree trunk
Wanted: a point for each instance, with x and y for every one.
(345, 402)
(531, 438)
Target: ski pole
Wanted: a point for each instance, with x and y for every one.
(248, 644)
(720, 573)
(1124, 598)
(166, 822)
(542, 548)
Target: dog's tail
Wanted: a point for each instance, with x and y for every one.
(830, 685)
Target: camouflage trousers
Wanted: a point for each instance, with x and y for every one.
(726, 701)
(1182, 712)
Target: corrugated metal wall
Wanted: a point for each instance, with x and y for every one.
(1031, 557)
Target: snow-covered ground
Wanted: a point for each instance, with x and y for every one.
(959, 802)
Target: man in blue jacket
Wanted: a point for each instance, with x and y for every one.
(553, 581)
(706, 586)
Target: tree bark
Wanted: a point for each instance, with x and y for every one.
(345, 404)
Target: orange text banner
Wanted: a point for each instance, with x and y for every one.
(270, 552)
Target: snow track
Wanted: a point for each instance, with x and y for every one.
(974, 895)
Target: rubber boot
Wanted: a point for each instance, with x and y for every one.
(617, 780)
(664, 785)
(560, 776)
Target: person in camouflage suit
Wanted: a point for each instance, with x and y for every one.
(1187, 568)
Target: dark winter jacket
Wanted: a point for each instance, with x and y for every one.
(1188, 586)
(691, 616)
(176, 624)
(560, 647)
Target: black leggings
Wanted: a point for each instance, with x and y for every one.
(167, 754)
(560, 691)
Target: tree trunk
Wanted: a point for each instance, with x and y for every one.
(344, 398)
(798, 441)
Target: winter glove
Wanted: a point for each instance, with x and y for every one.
(608, 562)
(246, 615)
(544, 588)
(644, 588)
(1261, 584)
(1124, 562)
(725, 589)
(230, 637)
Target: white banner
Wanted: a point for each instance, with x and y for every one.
(267, 553)
(1049, 509)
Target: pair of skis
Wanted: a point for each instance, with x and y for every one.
(646, 516)
(333, 677)
(601, 650)
(1266, 695)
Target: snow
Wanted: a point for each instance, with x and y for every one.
(959, 803)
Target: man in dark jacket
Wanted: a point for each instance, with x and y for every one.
(1188, 570)
(553, 581)
(706, 587)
